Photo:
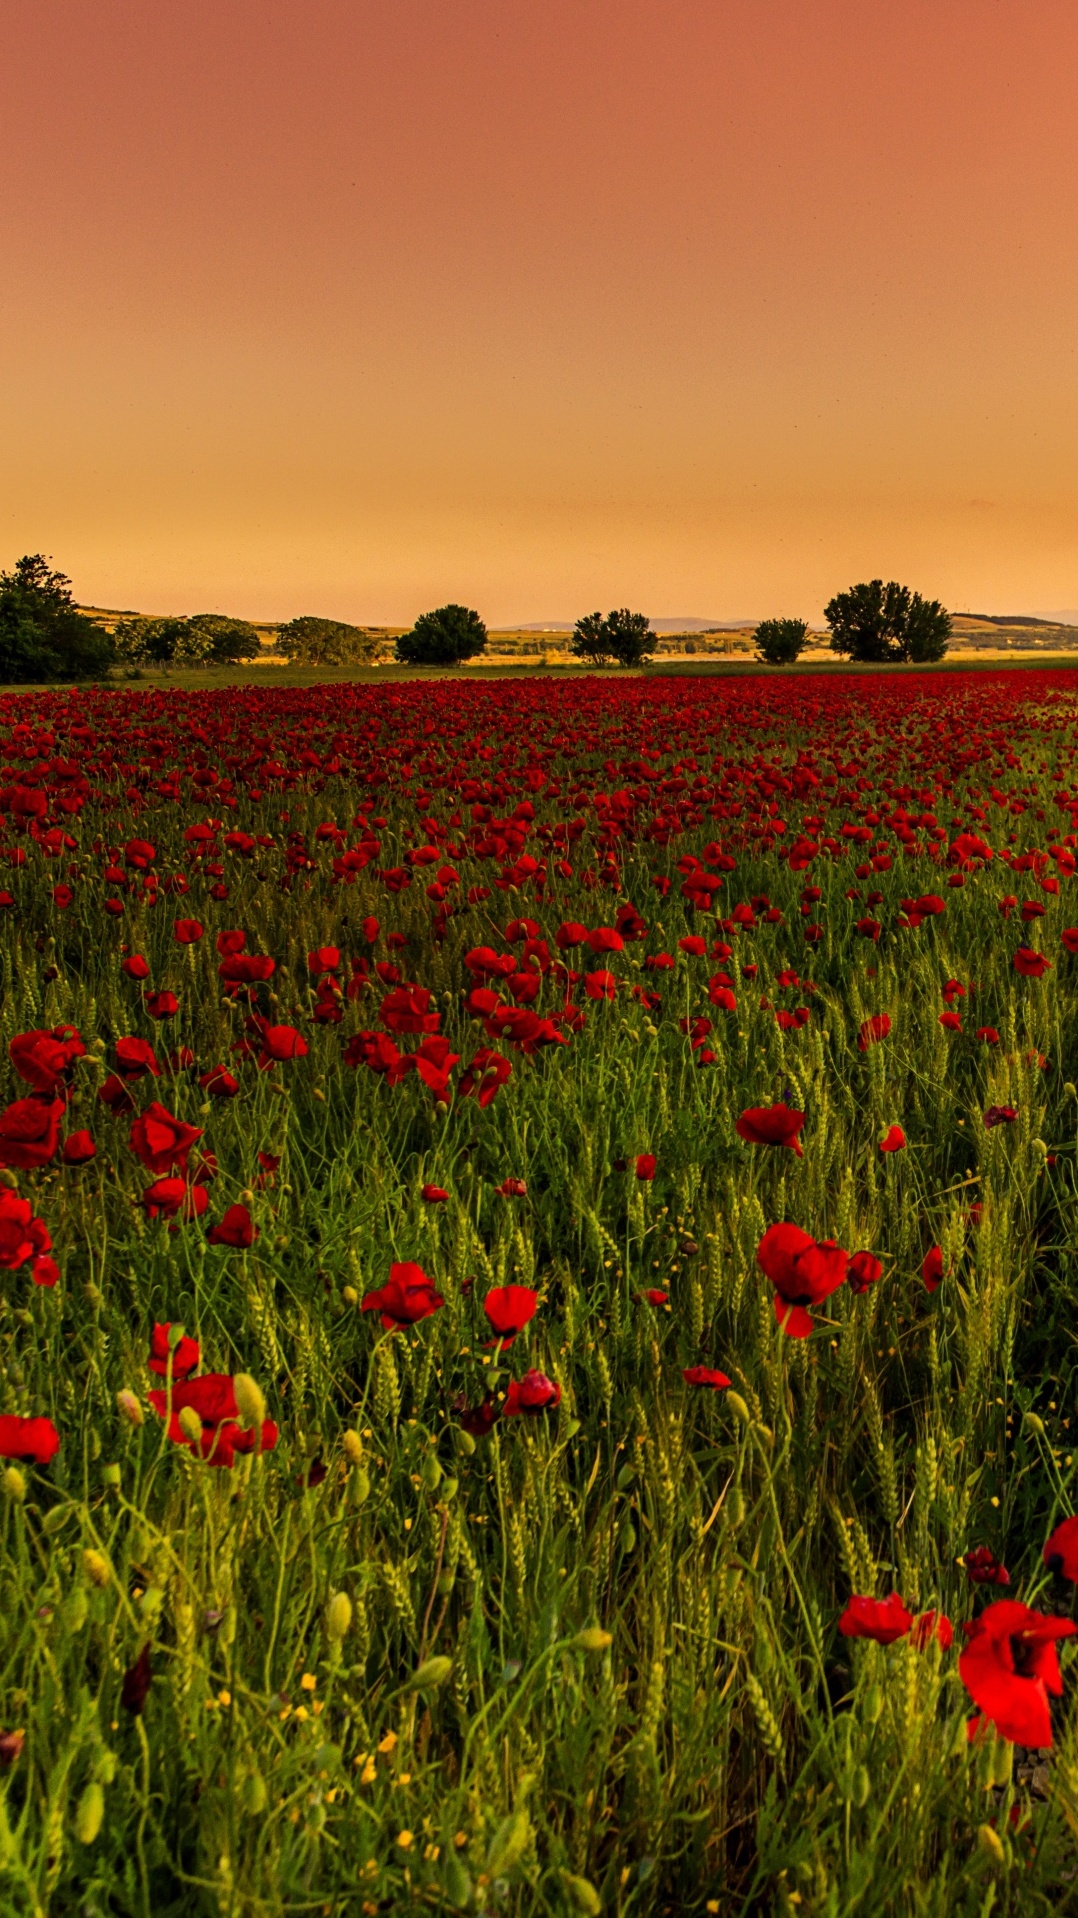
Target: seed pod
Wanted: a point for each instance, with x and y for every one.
(582, 1895)
(465, 1443)
(872, 1705)
(110, 1476)
(627, 1537)
(353, 1448)
(431, 1472)
(361, 1486)
(861, 1787)
(1034, 1423)
(350, 1295)
(191, 1425)
(15, 1484)
(129, 1408)
(738, 1407)
(90, 1813)
(449, 1487)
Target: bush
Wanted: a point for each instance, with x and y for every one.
(42, 633)
(225, 640)
(779, 641)
(622, 635)
(879, 624)
(313, 641)
(443, 638)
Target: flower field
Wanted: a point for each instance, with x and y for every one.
(538, 1296)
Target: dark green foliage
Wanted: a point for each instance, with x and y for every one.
(313, 641)
(779, 641)
(226, 640)
(878, 624)
(443, 638)
(622, 635)
(42, 633)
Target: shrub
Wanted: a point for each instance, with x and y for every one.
(443, 638)
(313, 641)
(779, 641)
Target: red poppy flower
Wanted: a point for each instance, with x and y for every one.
(116, 1097)
(31, 1441)
(932, 1625)
(435, 1194)
(219, 1083)
(246, 968)
(864, 1269)
(324, 959)
(213, 1400)
(280, 1043)
(868, 929)
(950, 1021)
(894, 1139)
(720, 995)
(229, 943)
(512, 1188)
(883, 1619)
(802, 1270)
(185, 1358)
(30, 1132)
(999, 1115)
(531, 1395)
(406, 1297)
(873, 1030)
(79, 1148)
(771, 1125)
(653, 1297)
(988, 1035)
(478, 1419)
(408, 1009)
(162, 1005)
(1009, 1667)
(22, 1236)
(1030, 964)
(136, 967)
(600, 985)
(1061, 1551)
(983, 1567)
(509, 1308)
(485, 1076)
(135, 1058)
(932, 1268)
(187, 932)
(46, 1060)
(694, 945)
(162, 1141)
(645, 1166)
(1069, 936)
(236, 1229)
(174, 1198)
(703, 1374)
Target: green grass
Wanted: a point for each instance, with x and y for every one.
(723, 1749)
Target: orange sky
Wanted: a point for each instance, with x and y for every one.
(704, 306)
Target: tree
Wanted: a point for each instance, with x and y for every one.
(42, 633)
(226, 640)
(874, 623)
(313, 641)
(779, 641)
(622, 635)
(591, 641)
(443, 638)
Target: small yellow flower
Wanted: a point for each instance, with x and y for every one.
(369, 1773)
(388, 1743)
(405, 1778)
(308, 1682)
(460, 1840)
(224, 1698)
(318, 1705)
(302, 1714)
(432, 1854)
(404, 1839)
(286, 1712)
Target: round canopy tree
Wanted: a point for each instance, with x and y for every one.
(779, 641)
(443, 638)
(42, 633)
(877, 624)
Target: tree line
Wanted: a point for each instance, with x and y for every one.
(44, 635)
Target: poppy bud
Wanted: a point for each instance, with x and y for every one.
(431, 1472)
(190, 1425)
(338, 1617)
(90, 1814)
(1035, 1423)
(249, 1400)
(735, 1507)
(353, 1447)
(738, 1407)
(129, 1408)
(361, 1486)
(861, 1787)
(592, 1639)
(582, 1894)
(15, 1484)
(97, 1568)
(254, 1796)
(428, 1676)
(76, 1607)
(990, 1843)
(465, 1443)
(509, 1843)
(110, 1476)
(350, 1295)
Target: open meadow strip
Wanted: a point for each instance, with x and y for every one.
(538, 1297)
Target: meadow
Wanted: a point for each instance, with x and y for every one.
(538, 1296)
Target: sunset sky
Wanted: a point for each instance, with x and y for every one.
(702, 306)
